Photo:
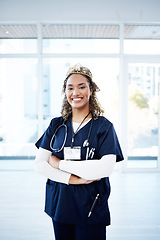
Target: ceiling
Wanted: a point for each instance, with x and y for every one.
(79, 31)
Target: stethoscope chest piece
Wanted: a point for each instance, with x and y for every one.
(86, 143)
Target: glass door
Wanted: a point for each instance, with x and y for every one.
(143, 115)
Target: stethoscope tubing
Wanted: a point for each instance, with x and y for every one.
(65, 138)
(85, 144)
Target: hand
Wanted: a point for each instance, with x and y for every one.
(77, 180)
(54, 161)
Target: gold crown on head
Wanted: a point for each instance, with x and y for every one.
(79, 69)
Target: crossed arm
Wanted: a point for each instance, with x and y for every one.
(73, 172)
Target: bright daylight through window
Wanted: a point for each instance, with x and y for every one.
(30, 93)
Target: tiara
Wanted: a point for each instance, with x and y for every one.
(79, 69)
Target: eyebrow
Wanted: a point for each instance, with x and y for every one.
(78, 84)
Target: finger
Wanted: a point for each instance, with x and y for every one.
(89, 181)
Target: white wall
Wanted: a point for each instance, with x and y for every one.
(80, 10)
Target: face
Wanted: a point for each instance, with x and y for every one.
(78, 92)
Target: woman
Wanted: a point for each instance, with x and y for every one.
(77, 154)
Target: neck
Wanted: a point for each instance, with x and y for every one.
(78, 116)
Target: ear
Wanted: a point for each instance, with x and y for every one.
(91, 90)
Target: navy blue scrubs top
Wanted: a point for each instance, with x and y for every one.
(71, 203)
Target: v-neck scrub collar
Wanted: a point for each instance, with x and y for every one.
(76, 125)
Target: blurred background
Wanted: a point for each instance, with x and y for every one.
(120, 42)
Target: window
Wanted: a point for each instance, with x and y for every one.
(143, 114)
(18, 106)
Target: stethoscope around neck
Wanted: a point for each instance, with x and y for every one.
(85, 143)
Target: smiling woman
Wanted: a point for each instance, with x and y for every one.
(80, 86)
(78, 93)
(78, 187)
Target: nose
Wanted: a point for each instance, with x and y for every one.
(76, 92)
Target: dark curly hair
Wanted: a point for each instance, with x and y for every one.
(94, 105)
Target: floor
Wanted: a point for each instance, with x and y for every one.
(134, 204)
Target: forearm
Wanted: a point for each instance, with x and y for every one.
(90, 169)
(78, 180)
(43, 167)
(54, 162)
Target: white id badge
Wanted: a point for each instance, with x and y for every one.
(72, 153)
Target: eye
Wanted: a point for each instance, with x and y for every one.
(82, 87)
(70, 89)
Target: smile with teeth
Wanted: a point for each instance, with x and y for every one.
(77, 99)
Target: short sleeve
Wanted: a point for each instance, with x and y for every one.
(108, 142)
(44, 141)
